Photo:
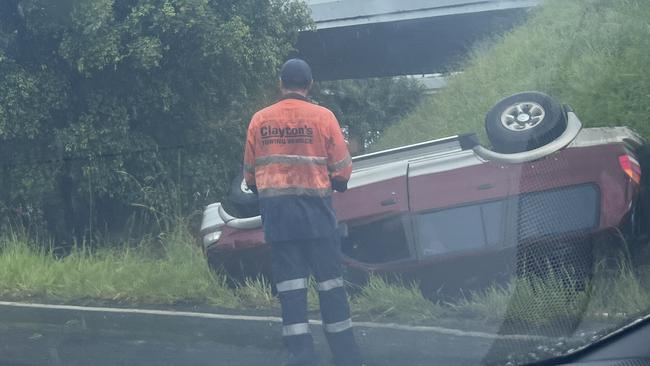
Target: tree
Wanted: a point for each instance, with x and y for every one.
(100, 99)
(365, 108)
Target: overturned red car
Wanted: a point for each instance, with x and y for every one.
(452, 210)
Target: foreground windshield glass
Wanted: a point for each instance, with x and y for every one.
(471, 177)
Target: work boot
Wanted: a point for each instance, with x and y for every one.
(344, 348)
(301, 351)
(302, 360)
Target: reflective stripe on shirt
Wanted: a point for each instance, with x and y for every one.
(290, 159)
(340, 164)
(295, 191)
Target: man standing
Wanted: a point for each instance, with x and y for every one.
(295, 156)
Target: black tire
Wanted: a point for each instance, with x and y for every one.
(244, 203)
(643, 154)
(545, 121)
(642, 213)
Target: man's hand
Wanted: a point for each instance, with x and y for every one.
(339, 185)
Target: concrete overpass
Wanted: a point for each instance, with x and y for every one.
(364, 38)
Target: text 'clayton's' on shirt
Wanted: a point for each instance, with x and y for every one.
(293, 149)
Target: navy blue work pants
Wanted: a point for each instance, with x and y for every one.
(292, 262)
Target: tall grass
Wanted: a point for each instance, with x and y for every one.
(611, 294)
(380, 299)
(591, 54)
(258, 293)
(531, 301)
(171, 270)
(174, 271)
(626, 294)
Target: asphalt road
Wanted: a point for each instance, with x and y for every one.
(78, 336)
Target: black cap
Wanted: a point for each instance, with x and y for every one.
(296, 73)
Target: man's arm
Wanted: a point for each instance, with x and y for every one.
(339, 161)
(249, 157)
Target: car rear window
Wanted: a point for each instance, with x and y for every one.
(558, 211)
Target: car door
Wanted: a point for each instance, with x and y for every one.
(459, 204)
(374, 216)
(373, 191)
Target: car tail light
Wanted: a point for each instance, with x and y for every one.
(631, 167)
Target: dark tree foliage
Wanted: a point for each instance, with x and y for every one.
(112, 106)
(365, 108)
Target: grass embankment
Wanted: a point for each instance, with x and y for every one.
(590, 54)
(172, 270)
(618, 295)
(162, 271)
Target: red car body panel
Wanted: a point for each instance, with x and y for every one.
(460, 186)
(381, 198)
(233, 239)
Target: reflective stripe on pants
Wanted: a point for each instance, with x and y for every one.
(295, 329)
(291, 285)
(338, 327)
(330, 284)
(292, 261)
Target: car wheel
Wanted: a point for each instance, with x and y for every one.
(524, 122)
(241, 199)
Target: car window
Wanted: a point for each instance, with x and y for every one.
(461, 228)
(379, 241)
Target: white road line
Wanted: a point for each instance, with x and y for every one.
(188, 314)
(449, 331)
(271, 319)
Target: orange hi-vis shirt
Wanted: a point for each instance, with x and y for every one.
(293, 149)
